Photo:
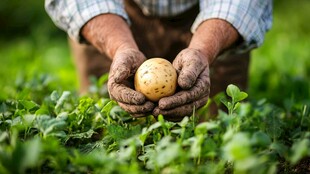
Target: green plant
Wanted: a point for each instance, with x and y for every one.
(66, 133)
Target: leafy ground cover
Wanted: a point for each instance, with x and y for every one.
(45, 127)
(49, 131)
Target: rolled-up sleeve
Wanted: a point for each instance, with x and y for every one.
(251, 18)
(72, 15)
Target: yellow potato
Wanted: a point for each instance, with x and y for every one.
(156, 78)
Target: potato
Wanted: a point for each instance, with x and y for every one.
(156, 78)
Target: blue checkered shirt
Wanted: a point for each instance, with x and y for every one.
(252, 18)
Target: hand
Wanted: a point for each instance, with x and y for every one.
(117, 42)
(210, 39)
(124, 65)
(193, 78)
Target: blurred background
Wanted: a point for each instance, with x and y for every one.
(32, 47)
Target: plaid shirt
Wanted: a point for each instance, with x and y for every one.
(252, 18)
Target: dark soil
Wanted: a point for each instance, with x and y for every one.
(303, 167)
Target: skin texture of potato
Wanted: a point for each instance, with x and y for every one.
(156, 78)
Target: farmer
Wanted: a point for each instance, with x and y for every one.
(117, 36)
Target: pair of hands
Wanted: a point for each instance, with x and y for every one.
(193, 79)
(116, 41)
(211, 38)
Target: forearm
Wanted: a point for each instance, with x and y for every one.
(212, 37)
(108, 33)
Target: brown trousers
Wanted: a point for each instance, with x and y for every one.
(161, 37)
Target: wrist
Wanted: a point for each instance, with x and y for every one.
(108, 33)
(212, 37)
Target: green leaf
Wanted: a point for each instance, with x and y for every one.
(107, 108)
(243, 165)
(3, 108)
(28, 104)
(50, 126)
(224, 101)
(201, 128)
(235, 93)
(43, 110)
(143, 135)
(28, 119)
(300, 149)
(184, 122)
(24, 155)
(238, 148)
(149, 156)
(260, 139)
(274, 124)
(117, 112)
(154, 126)
(237, 105)
(119, 132)
(3, 136)
(17, 121)
(64, 97)
(166, 151)
(82, 135)
(210, 147)
(195, 149)
(103, 79)
(160, 118)
(102, 102)
(54, 96)
(32, 151)
(176, 131)
(241, 96)
(128, 149)
(212, 125)
(232, 91)
(280, 148)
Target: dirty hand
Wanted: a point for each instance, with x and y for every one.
(193, 79)
(120, 84)
(116, 41)
(210, 39)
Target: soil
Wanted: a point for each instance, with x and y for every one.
(303, 167)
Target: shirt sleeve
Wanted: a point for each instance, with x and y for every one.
(72, 15)
(251, 18)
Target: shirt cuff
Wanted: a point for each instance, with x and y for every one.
(72, 15)
(250, 18)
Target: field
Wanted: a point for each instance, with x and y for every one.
(46, 127)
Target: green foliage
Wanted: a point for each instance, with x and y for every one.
(280, 67)
(236, 96)
(65, 133)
